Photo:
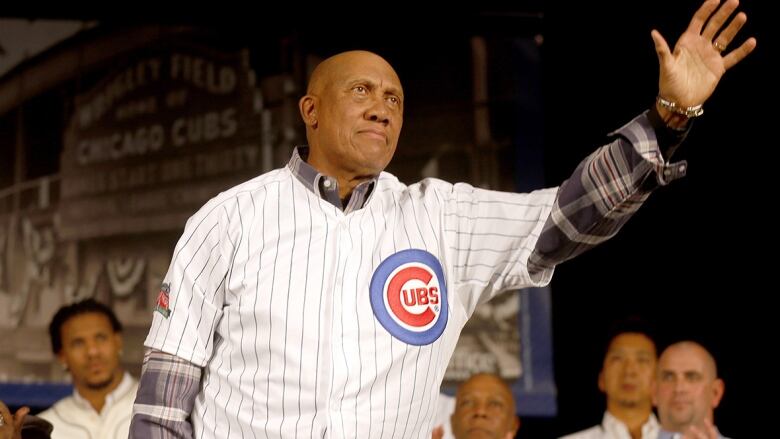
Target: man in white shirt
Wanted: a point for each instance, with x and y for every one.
(626, 379)
(86, 337)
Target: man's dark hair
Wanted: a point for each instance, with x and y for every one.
(630, 325)
(68, 311)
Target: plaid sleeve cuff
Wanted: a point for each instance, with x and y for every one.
(166, 396)
(604, 191)
(643, 136)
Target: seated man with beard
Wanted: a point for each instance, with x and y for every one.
(86, 338)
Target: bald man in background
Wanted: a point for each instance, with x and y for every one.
(687, 391)
(484, 408)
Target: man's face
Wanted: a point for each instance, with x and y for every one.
(484, 408)
(686, 389)
(359, 113)
(90, 350)
(627, 373)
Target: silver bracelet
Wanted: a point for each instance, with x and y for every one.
(688, 112)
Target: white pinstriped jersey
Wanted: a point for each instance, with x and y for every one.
(271, 293)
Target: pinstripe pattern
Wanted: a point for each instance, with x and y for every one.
(275, 274)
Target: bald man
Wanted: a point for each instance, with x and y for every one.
(484, 408)
(687, 391)
(325, 298)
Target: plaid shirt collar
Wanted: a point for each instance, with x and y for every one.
(327, 187)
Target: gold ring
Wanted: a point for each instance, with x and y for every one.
(719, 47)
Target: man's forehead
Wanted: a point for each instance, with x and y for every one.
(370, 69)
(631, 338)
(631, 348)
(349, 66)
(632, 341)
(484, 385)
(87, 323)
(682, 363)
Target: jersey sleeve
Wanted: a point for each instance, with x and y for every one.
(490, 236)
(191, 298)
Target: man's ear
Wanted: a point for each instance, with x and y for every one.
(602, 383)
(718, 387)
(62, 359)
(308, 108)
(119, 343)
(515, 426)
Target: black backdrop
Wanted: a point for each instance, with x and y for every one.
(698, 257)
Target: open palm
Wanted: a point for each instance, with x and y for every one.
(690, 73)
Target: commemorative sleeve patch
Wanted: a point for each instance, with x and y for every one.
(163, 300)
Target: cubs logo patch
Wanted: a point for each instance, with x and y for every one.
(409, 296)
(162, 300)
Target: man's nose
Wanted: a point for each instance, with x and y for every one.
(92, 348)
(680, 386)
(480, 410)
(378, 112)
(631, 367)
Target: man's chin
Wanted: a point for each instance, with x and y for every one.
(479, 433)
(628, 402)
(682, 419)
(99, 384)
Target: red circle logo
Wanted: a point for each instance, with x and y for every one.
(412, 296)
(409, 296)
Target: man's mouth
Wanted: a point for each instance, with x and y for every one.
(379, 134)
